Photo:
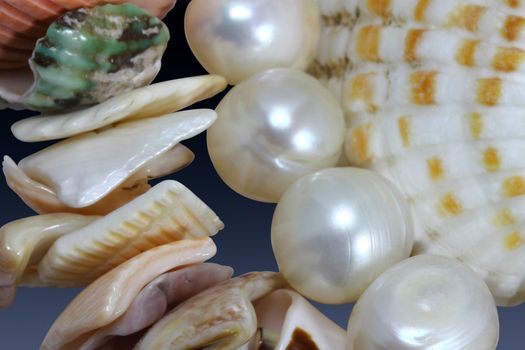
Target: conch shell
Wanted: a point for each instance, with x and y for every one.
(22, 22)
(105, 301)
(87, 56)
(166, 213)
(433, 98)
(221, 317)
(95, 173)
(24, 242)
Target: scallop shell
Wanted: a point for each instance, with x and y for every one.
(111, 295)
(146, 102)
(24, 242)
(433, 93)
(221, 317)
(90, 55)
(22, 22)
(104, 169)
(166, 213)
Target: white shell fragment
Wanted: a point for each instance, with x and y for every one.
(166, 213)
(296, 323)
(24, 242)
(83, 170)
(221, 317)
(146, 102)
(433, 98)
(106, 299)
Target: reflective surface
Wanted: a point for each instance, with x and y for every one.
(272, 129)
(425, 302)
(335, 231)
(238, 38)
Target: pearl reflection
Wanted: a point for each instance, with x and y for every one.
(264, 34)
(344, 217)
(304, 141)
(240, 12)
(280, 118)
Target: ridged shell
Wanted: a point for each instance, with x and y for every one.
(22, 22)
(433, 95)
(166, 213)
(103, 301)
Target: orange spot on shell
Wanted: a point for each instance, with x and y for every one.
(368, 43)
(504, 218)
(466, 54)
(514, 186)
(412, 40)
(450, 205)
(513, 3)
(467, 17)
(489, 91)
(476, 125)
(361, 142)
(491, 159)
(362, 89)
(435, 168)
(420, 10)
(512, 28)
(404, 130)
(513, 240)
(380, 8)
(423, 86)
(508, 59)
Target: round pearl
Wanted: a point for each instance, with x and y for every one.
(335, 231)
(425, 302)
(238, 38)
(272, 129)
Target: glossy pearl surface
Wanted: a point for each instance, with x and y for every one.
(272, 129)
(238, 38)
(335, 231)
(425, 302)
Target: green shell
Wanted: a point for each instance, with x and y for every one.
(90, 55)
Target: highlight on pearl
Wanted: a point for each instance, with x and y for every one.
(425, 302)
(335, 231)
(272, 129)
(239, 38)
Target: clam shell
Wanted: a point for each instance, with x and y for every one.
(106, 299)
(24, 242)
(166, 213)
(433, 96)
(30, 18)
(149, 101)
(221, 317)
(296, 323)
(85, 169)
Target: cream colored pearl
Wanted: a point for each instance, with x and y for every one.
(425, 302)
(238, 38)
(272, 129)
(335, 231)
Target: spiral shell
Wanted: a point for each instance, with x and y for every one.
(433, 91)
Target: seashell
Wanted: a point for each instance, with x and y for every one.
(110, 296)
(89, 168)
(221, 317)
(148, 101)
(425, 302)
(88, 56)
(22, 22)
(167, 212)
(432, 93)
(24, 242)
(295, 324)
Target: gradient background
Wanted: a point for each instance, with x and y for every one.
(243, 244)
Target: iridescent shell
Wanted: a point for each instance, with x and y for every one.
(88, 56)
(22, 22)
(433, 96)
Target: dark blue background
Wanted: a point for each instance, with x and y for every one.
(243, 244)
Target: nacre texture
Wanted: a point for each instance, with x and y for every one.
(425, 302)
(239, 38)
(272, 129)
(335, 231)
(88, 56)
(433, 98)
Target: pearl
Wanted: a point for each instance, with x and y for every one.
(272, 129)
(425, 302)
(335, 231)
(239, 38)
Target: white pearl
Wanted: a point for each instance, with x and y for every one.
(238, 38)
(425, 302)
(335, 231)
(272, 129)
